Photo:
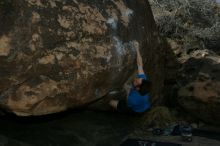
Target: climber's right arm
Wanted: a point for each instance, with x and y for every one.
(139, 59)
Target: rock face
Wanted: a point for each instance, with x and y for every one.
(57, 54)
(192, 79)
(200, 94)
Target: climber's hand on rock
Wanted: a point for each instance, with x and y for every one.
(136, 45)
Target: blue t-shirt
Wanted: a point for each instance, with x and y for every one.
(137, 102)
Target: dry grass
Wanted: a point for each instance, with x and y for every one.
(189, 21)
(159, 116)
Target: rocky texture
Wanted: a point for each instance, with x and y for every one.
(56, 54)
(200, 94)
(192, 79)
(192, 24)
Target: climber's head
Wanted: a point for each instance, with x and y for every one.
(142, 86)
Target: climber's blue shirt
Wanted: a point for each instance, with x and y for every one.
(137, 102)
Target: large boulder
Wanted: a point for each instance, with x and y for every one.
(192, 72)
(56, 54)
(200, 94)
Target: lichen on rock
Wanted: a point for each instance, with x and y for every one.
(56, 55)
(5, 46)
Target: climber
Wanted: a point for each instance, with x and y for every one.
(137, 100)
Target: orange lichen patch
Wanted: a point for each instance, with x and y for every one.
(78, 46)
(22, 56)
(95, 22)
(70, 34)
(93, 28)
(35, 3)
(50, 59)
(67, 8)
(113, 13)
(52, 3)
(125, 12)
(72, 45)
(35, 17)
(26, 96)
(202, 91)
(48, 106)
(35, 37)
(92, 13)
(103, 52)
(35, 42)
(64, 22)
(5, 46)
(87, 40)
(32, 46)
(68, 63)
(62, 49)
(59, 55)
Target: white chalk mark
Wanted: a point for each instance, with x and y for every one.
(127, 13)
(119, 46)
(112, 22)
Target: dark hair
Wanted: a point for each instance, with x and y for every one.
(145, 87)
